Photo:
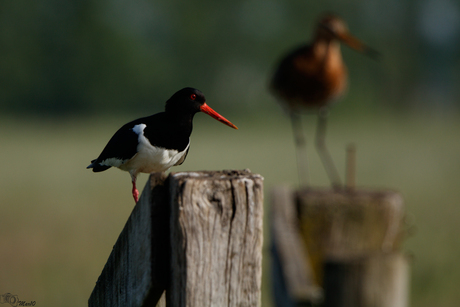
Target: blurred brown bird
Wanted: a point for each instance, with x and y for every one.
(312, 77)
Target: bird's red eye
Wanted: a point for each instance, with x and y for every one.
(193, 96)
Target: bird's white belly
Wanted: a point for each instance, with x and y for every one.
(153, 159)
(148, 158)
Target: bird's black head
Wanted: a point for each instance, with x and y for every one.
(189, 101)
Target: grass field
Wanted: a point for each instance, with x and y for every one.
(59, 221)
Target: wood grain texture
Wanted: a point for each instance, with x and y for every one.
(196, 235)
(217, 217)
(136, 273)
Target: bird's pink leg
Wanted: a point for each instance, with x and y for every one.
(135, 191)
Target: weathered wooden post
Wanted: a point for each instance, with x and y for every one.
(293, 279)
(353, 239)
(195, 235)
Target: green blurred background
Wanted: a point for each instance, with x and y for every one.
(72, 72)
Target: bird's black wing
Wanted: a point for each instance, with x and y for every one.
(165, 131)
(121, 147)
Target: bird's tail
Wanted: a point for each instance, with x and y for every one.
(97, 167)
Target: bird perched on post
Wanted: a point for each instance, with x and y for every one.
(157, 142)
(312, 77)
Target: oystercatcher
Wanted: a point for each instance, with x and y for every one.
(157, 142)
(312, 77)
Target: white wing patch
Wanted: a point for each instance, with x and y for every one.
(150, 158)
(139, 129)
(113, 162)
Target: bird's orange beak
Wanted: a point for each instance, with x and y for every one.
(356, 44)
(207, 109)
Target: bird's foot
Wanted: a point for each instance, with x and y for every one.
(136, 195)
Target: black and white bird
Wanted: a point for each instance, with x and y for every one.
(157, 142)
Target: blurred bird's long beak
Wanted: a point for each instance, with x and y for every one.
(356, 44)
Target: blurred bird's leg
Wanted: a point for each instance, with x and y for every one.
(135, 191)
(324, 154)
(301, 149)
